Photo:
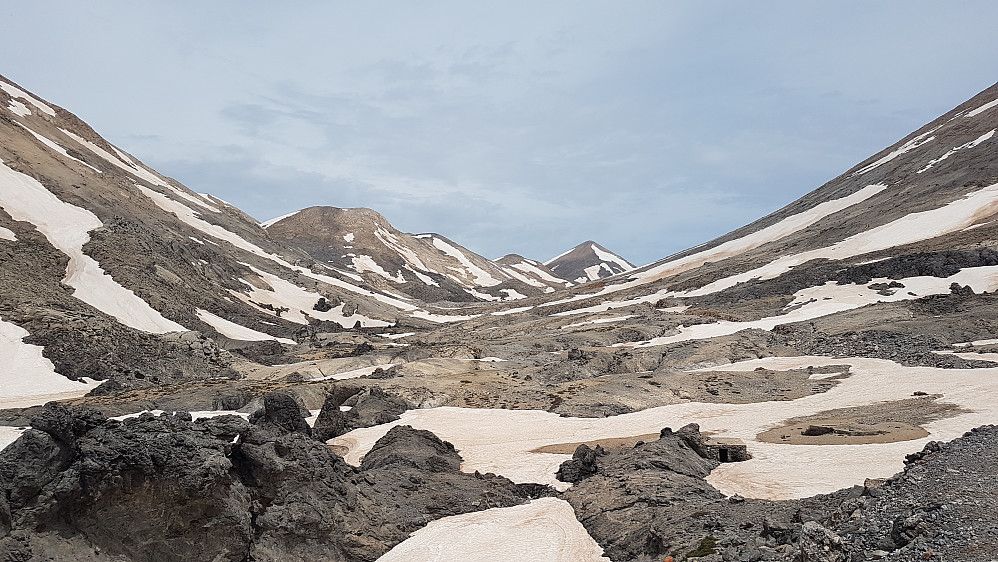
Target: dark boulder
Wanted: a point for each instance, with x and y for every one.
(582, 465)
(413, 448)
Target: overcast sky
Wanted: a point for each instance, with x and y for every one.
(523, 127)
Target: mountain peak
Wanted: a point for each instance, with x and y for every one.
(588, 261)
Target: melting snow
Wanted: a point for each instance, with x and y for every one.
(18, 108)
(598, 321)
(126, 164)
(905, 230)
(356, 373)
(906, 147)
(27, 378)
(481, 277)
(501, 441)
(982, 109)
(348, 237)
(949, 153)
(54, 146)
(235, 331)
(815, 302)
(67, 228)
(612, 258)
(544, 530)
(15, 92)
(6, 234)
(275, 220)
(298, 300)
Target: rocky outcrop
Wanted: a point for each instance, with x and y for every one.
(79, 486)
(652, 501)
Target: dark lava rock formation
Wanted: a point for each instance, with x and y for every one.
(78, 486)
(652, 501)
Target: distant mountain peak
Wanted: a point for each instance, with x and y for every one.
(586, 262)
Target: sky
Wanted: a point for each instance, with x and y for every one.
(509, 127)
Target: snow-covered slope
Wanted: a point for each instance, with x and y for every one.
(90, 234)
(588, 262)
(934, 191)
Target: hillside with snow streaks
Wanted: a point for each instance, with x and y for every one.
(428, 267)
(588, 262)
(67, 228)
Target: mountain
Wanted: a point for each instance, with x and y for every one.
(588, 262)
(428, 267)
(179, 382)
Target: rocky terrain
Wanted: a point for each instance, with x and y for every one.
(181, 382)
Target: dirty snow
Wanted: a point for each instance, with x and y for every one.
(527, 267)
(126, 164)
(904, 148)
(481, 277)
(275, 220)
(908, 229)
(237, 332)
(8, 435)
(954, 150)
(364, 263)
(982, 109)
(18, 108)
(299, 302)
(830, 298)
(611, 258)
(501, 441)
(598, 321)
(56, 147)
(356, 373)
(512, 311)
(27, 378)
(67, 228)
(544, 530)
(15, 92)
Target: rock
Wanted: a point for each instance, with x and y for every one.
(415, 448)
(582, 465)
(282, 412)
(373, 407)
(330, 421)
(818, 544)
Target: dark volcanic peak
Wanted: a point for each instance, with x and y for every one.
(588, 262)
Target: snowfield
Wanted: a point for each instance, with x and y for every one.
(67, 227)
(544, 530)
(27, 378)
(501, 441)
(235, 331)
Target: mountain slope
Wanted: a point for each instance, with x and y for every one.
(428, 267)
(588, 262)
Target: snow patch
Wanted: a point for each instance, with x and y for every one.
(235, 331)
(481, 277)
(15, 92)
(18, 108)
(611, 258)
(56, 147)
(67, 228)
(949, 153)
(7, 234)
(982, 109)
(906, 147)
(27, 378)
(275, 220)
(348, 237)
(544, 530)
